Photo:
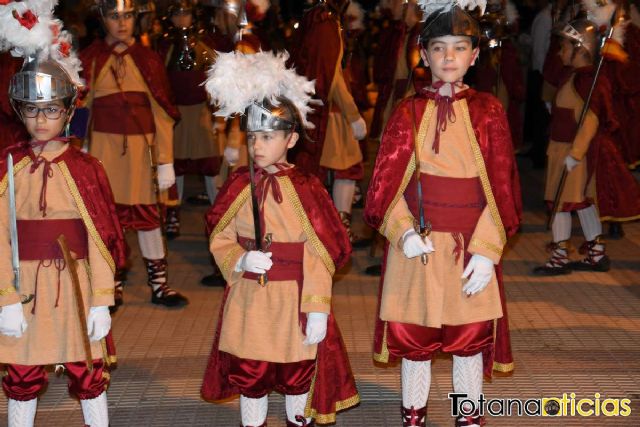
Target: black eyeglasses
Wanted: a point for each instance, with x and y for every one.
(51, 112)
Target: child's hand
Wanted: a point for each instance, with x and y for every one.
(255, 262)
(316, 328)
(12, 322)
(413, 245)
(482, 268)
(98, 322)
(166, 176)
(571, 163)
(359, 129)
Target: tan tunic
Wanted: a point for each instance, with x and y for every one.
(53, 334)
(432, 295)
(194, 136)
(340, 150)
(130, 174)
(261, 323)
(574, 190)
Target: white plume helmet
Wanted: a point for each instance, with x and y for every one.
(237, 80)
(356, 15)
(430, 7)
(28, 29)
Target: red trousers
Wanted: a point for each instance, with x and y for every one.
(355, 172)
(138, 217)
(26, 382)
(421, 343)
(256, 378)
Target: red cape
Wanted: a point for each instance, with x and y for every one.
(493, 136)
(92, 183)
(151, 67)
(333, 387)
(317, 61)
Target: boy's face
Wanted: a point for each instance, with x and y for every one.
(269, 148)
(44, 121)
(120, 25)
(449, 57)
(566, 52)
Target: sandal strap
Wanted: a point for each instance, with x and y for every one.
(413, 416)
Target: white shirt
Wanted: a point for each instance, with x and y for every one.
(541, 35)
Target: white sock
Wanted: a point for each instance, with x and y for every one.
(21, 413)
(96, 411)
(416, 382)
(253, 411)
(180, 186)
(468, 376)
(561, 227)
(590, 222)
(343, 191)
(210, 186)
(295, 405)
(151, 244)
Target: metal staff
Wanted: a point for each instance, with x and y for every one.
(583, 115)
(77, 293)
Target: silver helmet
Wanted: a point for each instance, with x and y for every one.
(582, 33)
(119, 6)
(265, 117)
(42, 81)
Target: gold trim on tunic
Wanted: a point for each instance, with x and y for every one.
(7, 291)
(383, 356)
(17, 167)
(104, 292)
(486, 245)
(231, 212)
(307, 299)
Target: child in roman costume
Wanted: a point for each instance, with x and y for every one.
(447, 224)
(131, 133)
(47, 189)
(279, 335)
(597, 184)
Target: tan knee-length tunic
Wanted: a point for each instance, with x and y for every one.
(53, 334)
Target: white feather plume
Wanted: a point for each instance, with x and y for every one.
(356, 13)
(261, 5)
(430, 7)
(599, 15)
(237, 80)
(44, 40)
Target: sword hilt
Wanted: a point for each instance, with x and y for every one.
(263, 279)
(424, 231)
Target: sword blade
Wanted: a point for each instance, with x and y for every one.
(13, 225)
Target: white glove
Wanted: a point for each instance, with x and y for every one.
(413, 245)
(254, 262)
(166, 176)
(482, 268)
(12, 321)
(571, 163)
(359, 128)
(98, 322)
(232, 155)
(316, 328)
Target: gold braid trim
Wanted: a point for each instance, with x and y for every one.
(7, 291)
(286, 183)
(310, 299)
(396, 228)
(615, 219)
(503, 367)
(482, 172)
(310, 412)
(86, 218)
(411, 167)
(383, 356)
(17, 167)
(231, 255)
(487, 245)
(231, 212)
(103, 292)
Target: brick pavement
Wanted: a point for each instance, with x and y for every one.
(577, 333)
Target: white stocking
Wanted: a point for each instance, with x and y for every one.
(561, 227)
(254, 411)
(343, 191)
(295, 405)
(180, 186)
(96, 411)
(151, 244)
(590, 222)
(468, 376)
(21, 413)
(210, 186)
(416, 382)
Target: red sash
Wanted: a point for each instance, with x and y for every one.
(287, 260)
(126, 113)
(563, 126)
(37, 239)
